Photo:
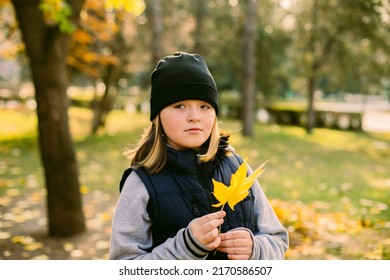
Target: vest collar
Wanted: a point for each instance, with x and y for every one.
(183, 161)
(186, 161)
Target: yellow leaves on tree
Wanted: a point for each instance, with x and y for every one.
(135, 7)
(239, 186)
(57, 12)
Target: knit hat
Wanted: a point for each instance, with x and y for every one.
(178, 77)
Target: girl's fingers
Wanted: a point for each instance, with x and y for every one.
(213, 216)
(205, 228)
(210, 225)
(238, 257)
(214, 244)
(237, 244)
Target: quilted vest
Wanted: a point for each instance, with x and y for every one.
(182, 191)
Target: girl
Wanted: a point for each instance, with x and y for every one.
(164, 210)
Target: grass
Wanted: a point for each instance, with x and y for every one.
(342, 171)
(328, 165)
(99, 157)
(342, 168)
(349, 170)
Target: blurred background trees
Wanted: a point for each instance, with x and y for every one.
(301, 49)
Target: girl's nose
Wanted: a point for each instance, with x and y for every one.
(193, 115)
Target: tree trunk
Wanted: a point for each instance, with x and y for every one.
(102, 106)
(47, 49)
(200, 16)
(311, 118)
(249, 82)
(156, 19)
(310, 122)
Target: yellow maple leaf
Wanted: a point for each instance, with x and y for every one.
(239, 186)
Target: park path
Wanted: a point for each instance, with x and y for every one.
(376, 121)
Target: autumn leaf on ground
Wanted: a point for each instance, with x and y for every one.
(29, 243)
(239, 186)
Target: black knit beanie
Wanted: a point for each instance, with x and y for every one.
(178, 77)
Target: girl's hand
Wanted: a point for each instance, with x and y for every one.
(205, 229)
(237, 244)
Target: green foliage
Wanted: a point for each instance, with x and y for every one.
(58, 12)
(331, 38)
(356, 29)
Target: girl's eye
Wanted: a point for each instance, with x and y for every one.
(179, 106)
(205, 106)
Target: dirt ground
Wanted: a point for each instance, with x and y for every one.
(23, 230)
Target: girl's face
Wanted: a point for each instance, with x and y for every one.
(187, 124)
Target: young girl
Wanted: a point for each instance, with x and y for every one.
(165, 207)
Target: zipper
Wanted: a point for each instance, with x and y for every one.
(205, 187)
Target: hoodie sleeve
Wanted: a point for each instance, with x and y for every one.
(270, 241)
(131, 236)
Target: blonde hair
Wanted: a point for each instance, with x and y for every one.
(150, 151)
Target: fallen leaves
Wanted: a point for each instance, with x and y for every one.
(4, 235)
(315, 231)
(29, 243)
(23, 227)
(318, 234)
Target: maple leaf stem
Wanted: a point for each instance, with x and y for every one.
(219, 228)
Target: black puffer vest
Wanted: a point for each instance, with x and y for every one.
(182, 191)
